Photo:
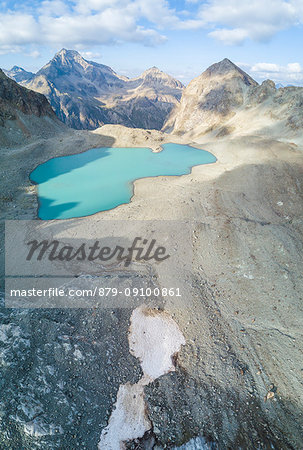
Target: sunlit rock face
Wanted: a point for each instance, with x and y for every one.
(224, 100)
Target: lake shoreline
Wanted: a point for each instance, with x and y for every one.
(59, 171)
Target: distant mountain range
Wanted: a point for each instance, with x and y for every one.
(280, 85)
(222, 101)
(86, 95)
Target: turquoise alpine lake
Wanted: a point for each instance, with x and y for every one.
(102, 178)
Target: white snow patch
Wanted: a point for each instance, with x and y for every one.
(128, 420)
(154, 338)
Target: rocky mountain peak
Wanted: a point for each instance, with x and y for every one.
(17, 69)
(69, 63)
(152, 70)
(212, 97)
(224, 100)
(154, 75)
(227, 67)
(269, 84)
(18, 74)
(69, 58)
(67, 54)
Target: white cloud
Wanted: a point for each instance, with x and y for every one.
(292, 73)
(34, 54)
(86, 22)
(158, 12)
(230, 37)
(237, 20)
(87, 6)
(91, 55)
(5, 49)
(17, 29)
(53, 8)
(94, 22)
(294, 68)
(265, 67)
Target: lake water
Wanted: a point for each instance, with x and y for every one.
(102, 178)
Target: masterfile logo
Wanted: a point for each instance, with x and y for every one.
(54, 250)
(101, 263)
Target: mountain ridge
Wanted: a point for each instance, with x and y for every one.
(85, 94)
(223, 100)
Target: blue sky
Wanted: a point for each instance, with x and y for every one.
(181, 37)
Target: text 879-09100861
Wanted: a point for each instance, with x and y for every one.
(97, 292)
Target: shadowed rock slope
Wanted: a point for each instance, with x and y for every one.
(24, 114)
